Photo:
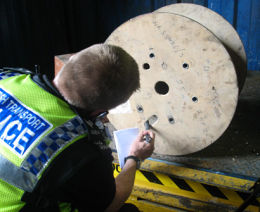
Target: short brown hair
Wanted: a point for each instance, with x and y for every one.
(99, 77)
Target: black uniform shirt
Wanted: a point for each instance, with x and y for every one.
(81, 175)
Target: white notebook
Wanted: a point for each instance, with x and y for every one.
(123, 139)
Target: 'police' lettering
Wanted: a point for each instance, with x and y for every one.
(8, 128)
(23, 137)
(20, 127)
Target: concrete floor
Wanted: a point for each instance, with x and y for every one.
(237, 151)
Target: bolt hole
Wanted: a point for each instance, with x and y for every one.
(194, 99)
(151, 55)
(146, 66)
(161, 88)
(185, 65)
(139, 108)
(171, 120)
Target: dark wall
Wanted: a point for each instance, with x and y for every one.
(33, 32)
(243, 15)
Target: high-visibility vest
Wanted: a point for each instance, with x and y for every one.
(35, 127)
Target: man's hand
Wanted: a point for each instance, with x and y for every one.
(125, 180)
(140, 148)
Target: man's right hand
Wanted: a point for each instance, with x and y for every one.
(140, 148)
(125, 180)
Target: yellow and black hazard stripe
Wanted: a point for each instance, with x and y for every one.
(168, 192)
(202, 188)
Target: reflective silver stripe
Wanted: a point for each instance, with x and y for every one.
(16, 176)
(26, 176)
(7, 74)
(41, 155)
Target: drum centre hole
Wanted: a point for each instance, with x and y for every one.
(161, 87)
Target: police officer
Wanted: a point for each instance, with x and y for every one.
(52, 155)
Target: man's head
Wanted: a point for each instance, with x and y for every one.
(98, 78)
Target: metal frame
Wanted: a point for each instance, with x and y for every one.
(167, 186)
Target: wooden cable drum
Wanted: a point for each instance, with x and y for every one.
(189, 87)
(221, 28)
